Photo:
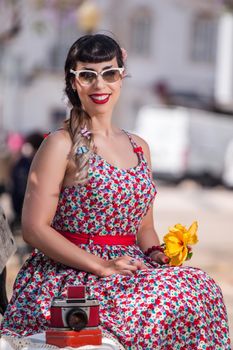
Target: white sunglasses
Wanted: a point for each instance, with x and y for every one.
(88, 77)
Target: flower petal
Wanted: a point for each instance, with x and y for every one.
(173, 245)
(192, 233)
(172, 250)
(171, 237)
(179, 258)
(183, 254)
(174, 235)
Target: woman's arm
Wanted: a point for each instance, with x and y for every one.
(44, 184)
(41, 198)
(147, 236)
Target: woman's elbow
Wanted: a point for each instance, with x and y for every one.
(29, 230)
(26, 233)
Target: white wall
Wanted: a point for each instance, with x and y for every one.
(169, 59)
(39, 100)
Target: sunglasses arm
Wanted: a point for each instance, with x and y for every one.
(73, 71)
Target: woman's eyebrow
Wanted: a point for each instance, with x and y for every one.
(92, 69)
(107, 67)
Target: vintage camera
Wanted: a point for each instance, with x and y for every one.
(76, 312)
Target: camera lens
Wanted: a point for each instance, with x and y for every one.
(77, 319)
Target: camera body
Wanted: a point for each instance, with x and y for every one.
(76, 312)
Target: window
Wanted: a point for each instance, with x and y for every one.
(141, 27)
(203, 41)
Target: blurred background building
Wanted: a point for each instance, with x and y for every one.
(176, 55)
(180, 53)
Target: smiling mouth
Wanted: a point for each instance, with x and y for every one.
(100, 98)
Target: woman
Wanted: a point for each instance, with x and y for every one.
(89, 196)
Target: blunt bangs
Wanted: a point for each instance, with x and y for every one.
(97, 48)
(96, 53)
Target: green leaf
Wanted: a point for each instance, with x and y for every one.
(189, 256)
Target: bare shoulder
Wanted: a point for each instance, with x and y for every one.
(141, 142)
(51, 160)
(59, 139)
(56, 146)
(145, 147)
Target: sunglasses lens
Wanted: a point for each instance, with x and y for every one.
(86, 78)
(111, 75)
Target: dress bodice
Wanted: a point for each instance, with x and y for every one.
(113, 201)
(157, 307)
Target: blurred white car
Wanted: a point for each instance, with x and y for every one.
(187, 143)
(227, 176)
(166, 131)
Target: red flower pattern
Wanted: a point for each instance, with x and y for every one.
(162, 308)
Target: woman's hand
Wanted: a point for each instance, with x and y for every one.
(159, 257)
(124, 265)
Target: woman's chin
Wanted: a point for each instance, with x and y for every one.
(100, 110)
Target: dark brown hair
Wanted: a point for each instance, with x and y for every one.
(92, 49)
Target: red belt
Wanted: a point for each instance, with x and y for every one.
(83, 238)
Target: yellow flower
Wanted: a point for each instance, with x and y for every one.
(177, 242)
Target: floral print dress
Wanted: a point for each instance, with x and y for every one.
(162, 308)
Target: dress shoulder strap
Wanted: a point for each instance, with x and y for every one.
(134, 144)
(48, 133)
(136, 147)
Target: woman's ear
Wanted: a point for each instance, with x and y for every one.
(73, 85)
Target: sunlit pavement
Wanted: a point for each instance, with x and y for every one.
(213, 209)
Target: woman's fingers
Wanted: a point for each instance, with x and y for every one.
(124, 265)
(136, 264)
(161, 258)
(127, 273)
(130, 264)
(140, 265)
(143, 266)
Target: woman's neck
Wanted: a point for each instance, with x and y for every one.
(103, 126)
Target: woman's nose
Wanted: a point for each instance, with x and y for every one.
(99, 82)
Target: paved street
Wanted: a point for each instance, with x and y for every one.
(213, 209)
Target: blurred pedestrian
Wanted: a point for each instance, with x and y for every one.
(5, 163)
(7, 249)
(19, 174)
